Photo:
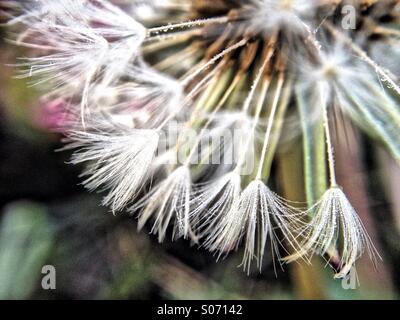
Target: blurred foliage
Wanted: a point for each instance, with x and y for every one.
(25, 242)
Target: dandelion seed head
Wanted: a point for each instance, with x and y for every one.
(214, 69)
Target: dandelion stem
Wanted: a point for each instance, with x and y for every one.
(85, 93)
(281, 80)
(209, 78)
(387, 31)
(212, 116)
(188, 97)
(30, 45)
(173, 58)
(201, 83)
(260, 104)
(264, 89)
(186, 24)
(164, 40)
(250, 96)
(329, 146)
(220, 55)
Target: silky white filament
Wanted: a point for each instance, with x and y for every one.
(336, 224)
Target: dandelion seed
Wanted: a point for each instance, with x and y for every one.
(348, 83)
(263, 212)
(116, 161)
(253, 219)
(146, 101)
(168, 201)
(84, 39)
(254, 215)
(211, 202)
(335, 221)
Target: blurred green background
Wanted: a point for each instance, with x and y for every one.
(47, 218)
